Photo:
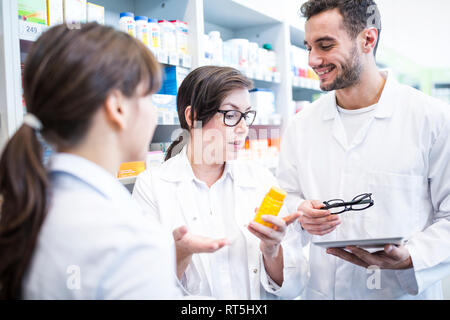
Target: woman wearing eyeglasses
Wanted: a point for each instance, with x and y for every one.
(208, 198)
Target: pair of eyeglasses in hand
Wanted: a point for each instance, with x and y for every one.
(338, 206)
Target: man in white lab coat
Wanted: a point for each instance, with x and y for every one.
(369, 134)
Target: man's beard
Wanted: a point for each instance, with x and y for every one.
(350, 74)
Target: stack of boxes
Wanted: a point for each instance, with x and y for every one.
(53, 12)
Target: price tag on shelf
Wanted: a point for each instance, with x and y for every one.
(249, 74)
(173, 58)
(30, 30)
(186, 61)
(303, 82)
(163, 57)
(259, 75)
(316, 84)
(276, 77)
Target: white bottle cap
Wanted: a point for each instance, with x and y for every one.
(214, 34)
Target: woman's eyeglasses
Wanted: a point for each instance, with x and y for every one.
(231, 118)
(361, 202)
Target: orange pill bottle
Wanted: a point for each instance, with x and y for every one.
(271, 205)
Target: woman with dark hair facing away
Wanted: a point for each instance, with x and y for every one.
(208, 197)
(68, 228)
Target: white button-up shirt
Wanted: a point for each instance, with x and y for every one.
(215, 205)
(402, 156)
(96, 243)
(176, 197)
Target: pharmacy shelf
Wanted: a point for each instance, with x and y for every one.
(234, 16)
(305, 94)
(297, 36)
(128, 183)
(25, 46)
(127, 180)
(30, 31)
(166, 133)
(258, 83)
(169, 132)
(260, 21)
(267, 131)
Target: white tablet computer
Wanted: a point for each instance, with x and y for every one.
(362, 243)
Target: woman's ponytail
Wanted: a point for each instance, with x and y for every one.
(69, 73)
(23, 189)
(177, 145)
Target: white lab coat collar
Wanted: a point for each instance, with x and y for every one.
(94, 175)
(178, 169)
(385, 106)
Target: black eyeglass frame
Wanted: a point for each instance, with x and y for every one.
(243, 115)
(348, 206)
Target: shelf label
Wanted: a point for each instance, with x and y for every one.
(303, 82)
(30, 30)
(276, 77)
(173, 58)
(249, 74)
(186, 61)
(163, 57)
(259, 75)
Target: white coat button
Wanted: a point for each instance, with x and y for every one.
(255, 270)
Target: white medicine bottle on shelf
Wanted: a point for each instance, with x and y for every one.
(216, 44)
(271, 58)
(168, 38)
(154, 35)
(142, 29)
(207, 50)
(127, 23)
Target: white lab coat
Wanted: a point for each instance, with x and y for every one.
(401, 156)
(166, 192)
(96, 242)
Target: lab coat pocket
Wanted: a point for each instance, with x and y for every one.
(395, 209)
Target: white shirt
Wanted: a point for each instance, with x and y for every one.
(176, 197)
(96, 243)
(354, 120)
(401, 155)
(215, 206)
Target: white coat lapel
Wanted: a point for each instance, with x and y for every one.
(330, 112)
(383, 110)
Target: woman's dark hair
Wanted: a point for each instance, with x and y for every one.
(204, 89)
(357, 14)
(68, 75)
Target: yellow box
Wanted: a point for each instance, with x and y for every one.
(131, 169)
(55, 14)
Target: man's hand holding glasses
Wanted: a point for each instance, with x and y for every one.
(320, 218)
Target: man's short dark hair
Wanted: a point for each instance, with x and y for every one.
(357, 14)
